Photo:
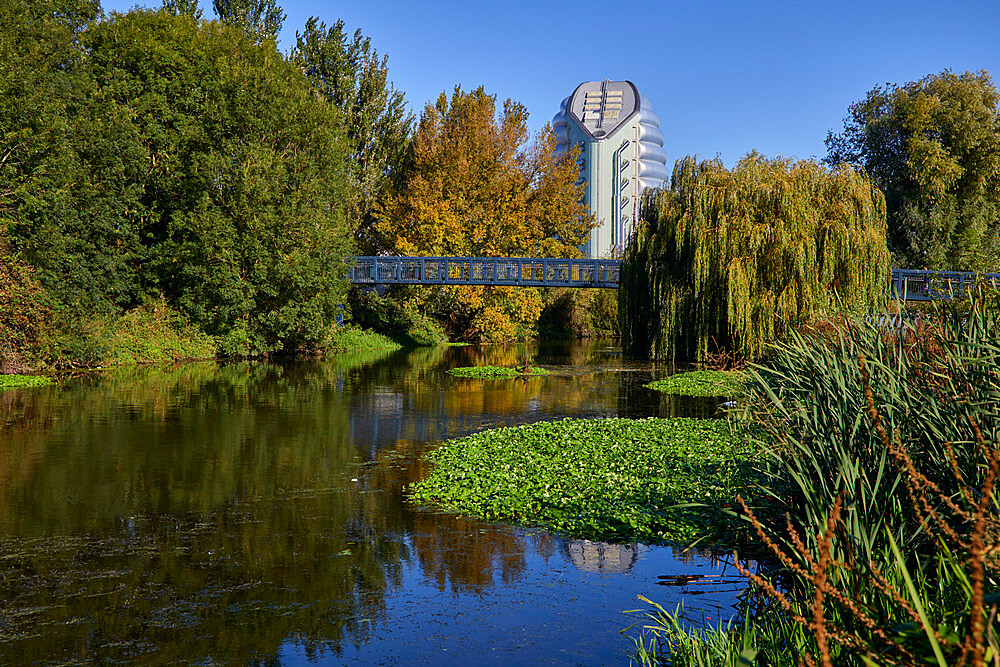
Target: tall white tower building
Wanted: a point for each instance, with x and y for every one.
(621, 155)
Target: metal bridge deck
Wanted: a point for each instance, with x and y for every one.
(519, 271)
(907, 284)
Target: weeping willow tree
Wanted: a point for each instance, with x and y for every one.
(734, 259)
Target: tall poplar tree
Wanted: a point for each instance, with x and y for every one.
(188, 7)
(351, 75)
(259, 18)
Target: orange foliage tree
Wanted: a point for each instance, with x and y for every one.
(478, 185)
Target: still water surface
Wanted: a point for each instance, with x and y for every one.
(254, 512)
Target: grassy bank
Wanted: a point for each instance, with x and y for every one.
(701, 383)
(496, 372)
(351, 338)
(609, 479)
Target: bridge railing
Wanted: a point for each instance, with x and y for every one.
(911, 285)
(524, 271)
(919, 285)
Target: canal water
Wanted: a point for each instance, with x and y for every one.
(255, 512)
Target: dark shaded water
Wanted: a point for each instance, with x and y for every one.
(240, 512)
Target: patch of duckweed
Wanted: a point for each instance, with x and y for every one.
(495, 372)
(12, 381)
(701, 383)
(609, 479)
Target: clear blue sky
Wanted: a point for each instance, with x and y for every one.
(724, 77)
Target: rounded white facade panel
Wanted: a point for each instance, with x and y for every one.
(653, 170)
(648, 117)
(650, 134)
(652, 152)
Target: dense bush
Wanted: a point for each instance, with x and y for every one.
(24, 314)
(398, 319)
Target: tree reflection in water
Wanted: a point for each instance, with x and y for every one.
(217, 511)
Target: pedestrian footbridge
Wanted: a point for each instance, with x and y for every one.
(907, 284)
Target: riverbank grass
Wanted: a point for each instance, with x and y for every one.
(701, 383)
(649, 480)
(15, 381)
(496, 372)
(350, 338)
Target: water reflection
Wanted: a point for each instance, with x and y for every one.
(241, 511)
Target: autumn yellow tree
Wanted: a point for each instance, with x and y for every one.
(478, 185)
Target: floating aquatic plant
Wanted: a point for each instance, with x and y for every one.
(12, 381)
(700, 383)
(496, 372)
(609, 479)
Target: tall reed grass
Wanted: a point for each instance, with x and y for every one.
(883, 456)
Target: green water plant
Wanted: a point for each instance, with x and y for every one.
(496, 372)
(701, 383)
(15, 381)
(610, 479)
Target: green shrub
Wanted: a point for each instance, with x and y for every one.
(24, 313)
(150, 333)
(349, 338)
(401, 322)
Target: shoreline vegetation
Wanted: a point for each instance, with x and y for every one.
(144, 337)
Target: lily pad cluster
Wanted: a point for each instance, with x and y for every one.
(496, 372)
(701, 383)
(609, 479)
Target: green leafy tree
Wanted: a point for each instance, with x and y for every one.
(933, 147)
(735, 259)
(244, 178)
(350, 73)
(477, 186)
(70, 161)
(259, 18)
